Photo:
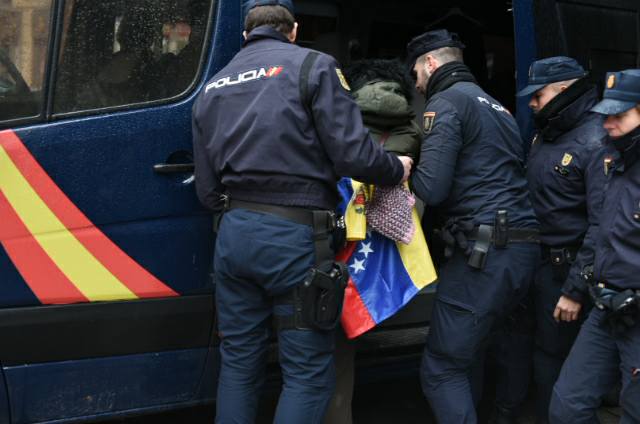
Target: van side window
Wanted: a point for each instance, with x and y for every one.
(117, 52)
(24, 38)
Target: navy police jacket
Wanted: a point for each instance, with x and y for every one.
(618, 242)
(566, 183)
(472, 157)
(255, 139)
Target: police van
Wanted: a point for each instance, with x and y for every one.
(106, 288)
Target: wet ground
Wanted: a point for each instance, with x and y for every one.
(391, 402)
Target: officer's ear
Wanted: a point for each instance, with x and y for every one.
(431, 63)
(244, 34)
(294, 33)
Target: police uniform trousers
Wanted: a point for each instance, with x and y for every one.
(257, 258)
(469, 304)
(553, 340)
(596, 362)
(511, 357)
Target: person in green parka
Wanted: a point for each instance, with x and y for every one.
(383, 91)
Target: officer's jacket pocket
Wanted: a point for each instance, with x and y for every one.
(626, 221)
(566, 174)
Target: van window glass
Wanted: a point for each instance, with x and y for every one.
(24, 38)
(124, 52)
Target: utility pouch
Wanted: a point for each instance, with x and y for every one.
(501, 230)
(623, 311)
(561, 261)
(318, 300)
(478, 256)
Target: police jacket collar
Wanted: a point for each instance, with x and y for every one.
(569, 111)
(265, 32)
(446, 76)
(626, 150)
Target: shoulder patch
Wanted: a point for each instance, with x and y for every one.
(608, 162)
(429, 119)
(343, 80)
(566, 159)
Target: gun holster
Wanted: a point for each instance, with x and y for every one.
(318, 300)
(478, 256)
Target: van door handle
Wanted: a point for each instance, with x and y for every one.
(173, 168)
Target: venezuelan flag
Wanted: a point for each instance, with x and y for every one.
(384, 275)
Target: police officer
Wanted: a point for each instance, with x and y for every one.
(561, 177)
(608, 345)
(273, 131)
(471, 166)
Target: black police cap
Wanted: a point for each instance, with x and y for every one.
(621, 93)
(430, 41)
(287, 4)
(549, 70)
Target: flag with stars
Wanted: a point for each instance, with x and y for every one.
(384, 275)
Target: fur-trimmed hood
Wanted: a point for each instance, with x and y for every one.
(362, 72)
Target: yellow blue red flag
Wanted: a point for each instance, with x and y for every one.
(384, 275)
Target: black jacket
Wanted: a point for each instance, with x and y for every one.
(566, 182)
(472, 157)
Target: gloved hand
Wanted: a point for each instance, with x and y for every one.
(454, 234)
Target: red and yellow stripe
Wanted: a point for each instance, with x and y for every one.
(60, 253)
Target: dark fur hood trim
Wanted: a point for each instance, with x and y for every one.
(362, 72)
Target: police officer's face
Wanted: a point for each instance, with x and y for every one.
(543, 96)
(421, 74)
(623, 123)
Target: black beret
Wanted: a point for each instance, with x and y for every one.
(430, 41)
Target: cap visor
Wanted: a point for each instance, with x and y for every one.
(612, 107)
(529, 90)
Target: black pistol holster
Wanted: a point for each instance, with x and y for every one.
(499, 235)
(318, 300)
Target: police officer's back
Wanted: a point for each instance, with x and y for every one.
(471, 166)
(273, 131)
(608, 345)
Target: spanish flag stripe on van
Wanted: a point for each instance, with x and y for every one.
(45, 279)
(96, 266)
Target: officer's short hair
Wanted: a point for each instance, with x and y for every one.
(277, 17)
(445, 55)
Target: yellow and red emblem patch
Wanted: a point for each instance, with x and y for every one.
(566, 159)
(429, 119)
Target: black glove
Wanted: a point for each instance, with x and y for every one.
(454, 234)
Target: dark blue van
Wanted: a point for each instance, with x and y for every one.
(106, 289)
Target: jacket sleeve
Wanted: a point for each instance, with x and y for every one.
(433, 178)
(208, 185)
(575, 286)
(339, 125)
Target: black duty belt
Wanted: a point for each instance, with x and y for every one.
(323, 222)
(514, 235)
